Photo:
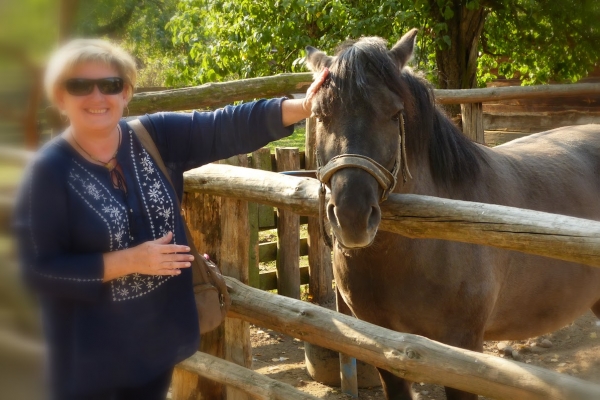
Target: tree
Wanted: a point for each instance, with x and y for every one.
(460, 43)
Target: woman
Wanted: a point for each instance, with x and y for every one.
(101, 241)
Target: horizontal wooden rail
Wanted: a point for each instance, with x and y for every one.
(213, 95)
(268, 280)
(462, 96)
(254, 384)
(413, 357)
(551, 235)
(268, 251)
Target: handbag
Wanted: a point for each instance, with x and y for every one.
(210, 289)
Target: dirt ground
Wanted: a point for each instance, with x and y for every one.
(573, 350)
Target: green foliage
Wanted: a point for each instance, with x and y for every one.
(233, 39)
(245, 38)
(541, 40)
(139, 26)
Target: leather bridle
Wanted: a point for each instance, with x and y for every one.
(386, 179)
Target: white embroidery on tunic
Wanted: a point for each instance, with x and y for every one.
(158, 206)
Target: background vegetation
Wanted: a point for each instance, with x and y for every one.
(461, 44)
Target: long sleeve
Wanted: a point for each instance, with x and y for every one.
(189, 140)
(42, 230)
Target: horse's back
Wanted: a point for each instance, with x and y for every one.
(557, 171)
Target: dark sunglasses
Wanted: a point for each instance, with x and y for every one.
(83, 87)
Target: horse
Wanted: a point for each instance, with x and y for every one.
(376, 118)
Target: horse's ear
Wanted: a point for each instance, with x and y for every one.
(316, 60)
(402, 51)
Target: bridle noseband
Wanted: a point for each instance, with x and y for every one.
(386, 179)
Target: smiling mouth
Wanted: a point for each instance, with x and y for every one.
(97, 110)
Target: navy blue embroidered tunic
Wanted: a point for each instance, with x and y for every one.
(129, 330)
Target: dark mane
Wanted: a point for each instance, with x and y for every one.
(357, 60)
(453, 158)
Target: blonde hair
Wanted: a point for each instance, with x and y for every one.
(79, 51)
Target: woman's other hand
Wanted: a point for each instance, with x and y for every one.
(157, 257)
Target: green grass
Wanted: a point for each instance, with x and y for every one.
(295, 140)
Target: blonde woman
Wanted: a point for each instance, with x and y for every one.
(101, 241)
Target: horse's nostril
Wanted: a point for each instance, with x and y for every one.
(374, 217)
(331, 215)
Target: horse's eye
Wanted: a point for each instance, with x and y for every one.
(396, 117)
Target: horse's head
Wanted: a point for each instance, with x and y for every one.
(359, 112)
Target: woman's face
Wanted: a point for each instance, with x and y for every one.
(94, 112)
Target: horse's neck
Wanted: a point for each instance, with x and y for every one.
(421, 136)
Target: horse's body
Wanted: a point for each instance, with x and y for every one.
(455, 293)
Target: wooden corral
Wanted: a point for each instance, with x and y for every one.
(222, 207)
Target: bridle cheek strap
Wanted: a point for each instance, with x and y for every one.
(386, 179)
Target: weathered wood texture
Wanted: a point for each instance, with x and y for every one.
(268, 279)
(253, 384)
(462, 96)
(321, 364)
(261, 159)
(413, 357)
(218, 94)
(268, 251)
(212, 95)
(233, 262)
(534, 232)
(288, 233)
(348, 370)
(472, 121)
(319, 256)
(203, 215)
(533, 122)
(254, 211)
(219, 227)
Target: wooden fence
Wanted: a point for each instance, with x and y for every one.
(221, 205)
(415, 358)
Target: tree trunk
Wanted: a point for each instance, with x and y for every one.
(457, 64)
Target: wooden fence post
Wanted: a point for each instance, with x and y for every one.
(348, 372)
(258, 215)
(220, 228)
(472, 121)
(261, 159)
(288, 233)
(321, 364)
(319, 255)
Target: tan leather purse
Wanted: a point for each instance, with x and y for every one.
(210, 288)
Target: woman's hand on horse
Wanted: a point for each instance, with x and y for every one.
(157, 257)
(294, 110)
(314, 88)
